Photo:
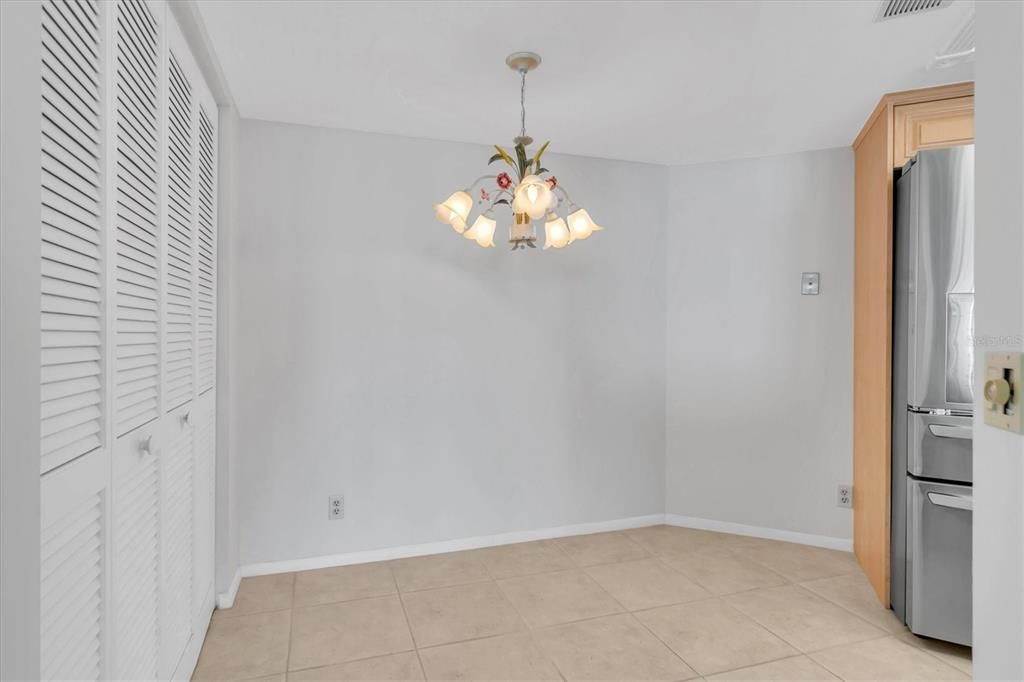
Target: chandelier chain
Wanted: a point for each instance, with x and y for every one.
(522, 104)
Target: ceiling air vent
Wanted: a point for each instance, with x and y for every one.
(960, 48)
(893, 9)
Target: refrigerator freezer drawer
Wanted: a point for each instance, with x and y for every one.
(940, 446)
(939, 560)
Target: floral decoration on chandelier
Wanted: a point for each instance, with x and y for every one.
(531, 193)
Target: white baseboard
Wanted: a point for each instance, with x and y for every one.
(842, 544)
(225, 599)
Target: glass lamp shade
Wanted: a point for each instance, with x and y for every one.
(556, 232)
(454, 211)
(581, 226)
(482, 231)
(532, 197)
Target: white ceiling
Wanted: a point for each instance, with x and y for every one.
(662, 82)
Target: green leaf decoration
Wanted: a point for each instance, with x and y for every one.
(536, 157)
(523, 164)
(504, 155)
(494, 158)
(541, 170)
(501, 201)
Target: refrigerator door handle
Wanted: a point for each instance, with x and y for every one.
(946, 431)
(952, 501)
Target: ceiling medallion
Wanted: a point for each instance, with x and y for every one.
(531, 192)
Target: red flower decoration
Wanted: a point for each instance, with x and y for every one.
(504, 181)
(552, 181)
(484, 196)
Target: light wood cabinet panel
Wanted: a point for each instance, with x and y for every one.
(902, 124)
(931, 125)
(872, 345)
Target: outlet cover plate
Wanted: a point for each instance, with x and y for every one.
(1003, 390)
(809, 283)
(336, 507)
(844, 496)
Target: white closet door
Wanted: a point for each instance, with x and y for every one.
(137, 475)
(73, 568)
(137, 91)
(205, 435)
(72, 261)
(179, 334)
(181, 210)
(206, 244)
(74, 450)
(205, 466)
(127, 432)
(177, 534)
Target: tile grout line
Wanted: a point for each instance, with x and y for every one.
(291, 627)
(530, 629)
(835, 603)
(922, 649)
(656, 556)
(875, 639)
(802, 651)
(408, 623)
(643, 625)
(764, 625)
(776, 660)
(896, 635)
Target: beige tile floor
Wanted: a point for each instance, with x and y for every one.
(658, 603)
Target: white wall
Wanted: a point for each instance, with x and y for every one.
(999, 325)
(447, 391)
(19, 339)
(227, 526)
(759, 378)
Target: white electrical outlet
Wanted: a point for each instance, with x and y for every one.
(336, 507)
(844, 496)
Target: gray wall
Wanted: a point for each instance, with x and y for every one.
(228, 464)
(759, 378)
(19, 340)
(446, 390)
(999, 325)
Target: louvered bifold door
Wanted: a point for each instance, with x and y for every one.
(205, 409)
(137, 474)
(72, 242)
(181, 228)
(74, 448)
(206, 256)
(127, 359)
(73, 571)
(179, 333)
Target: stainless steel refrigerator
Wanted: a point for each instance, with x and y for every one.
(933, 380)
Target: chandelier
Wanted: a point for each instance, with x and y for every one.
(530, 192)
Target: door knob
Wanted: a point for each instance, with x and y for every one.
(997, 392)
(186, 419)
(146, 445)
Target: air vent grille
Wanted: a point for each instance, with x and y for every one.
(959, 49)
(892, 9)
(963, 41)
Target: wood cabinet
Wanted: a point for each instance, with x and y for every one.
(902, 124)
(931, 125)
